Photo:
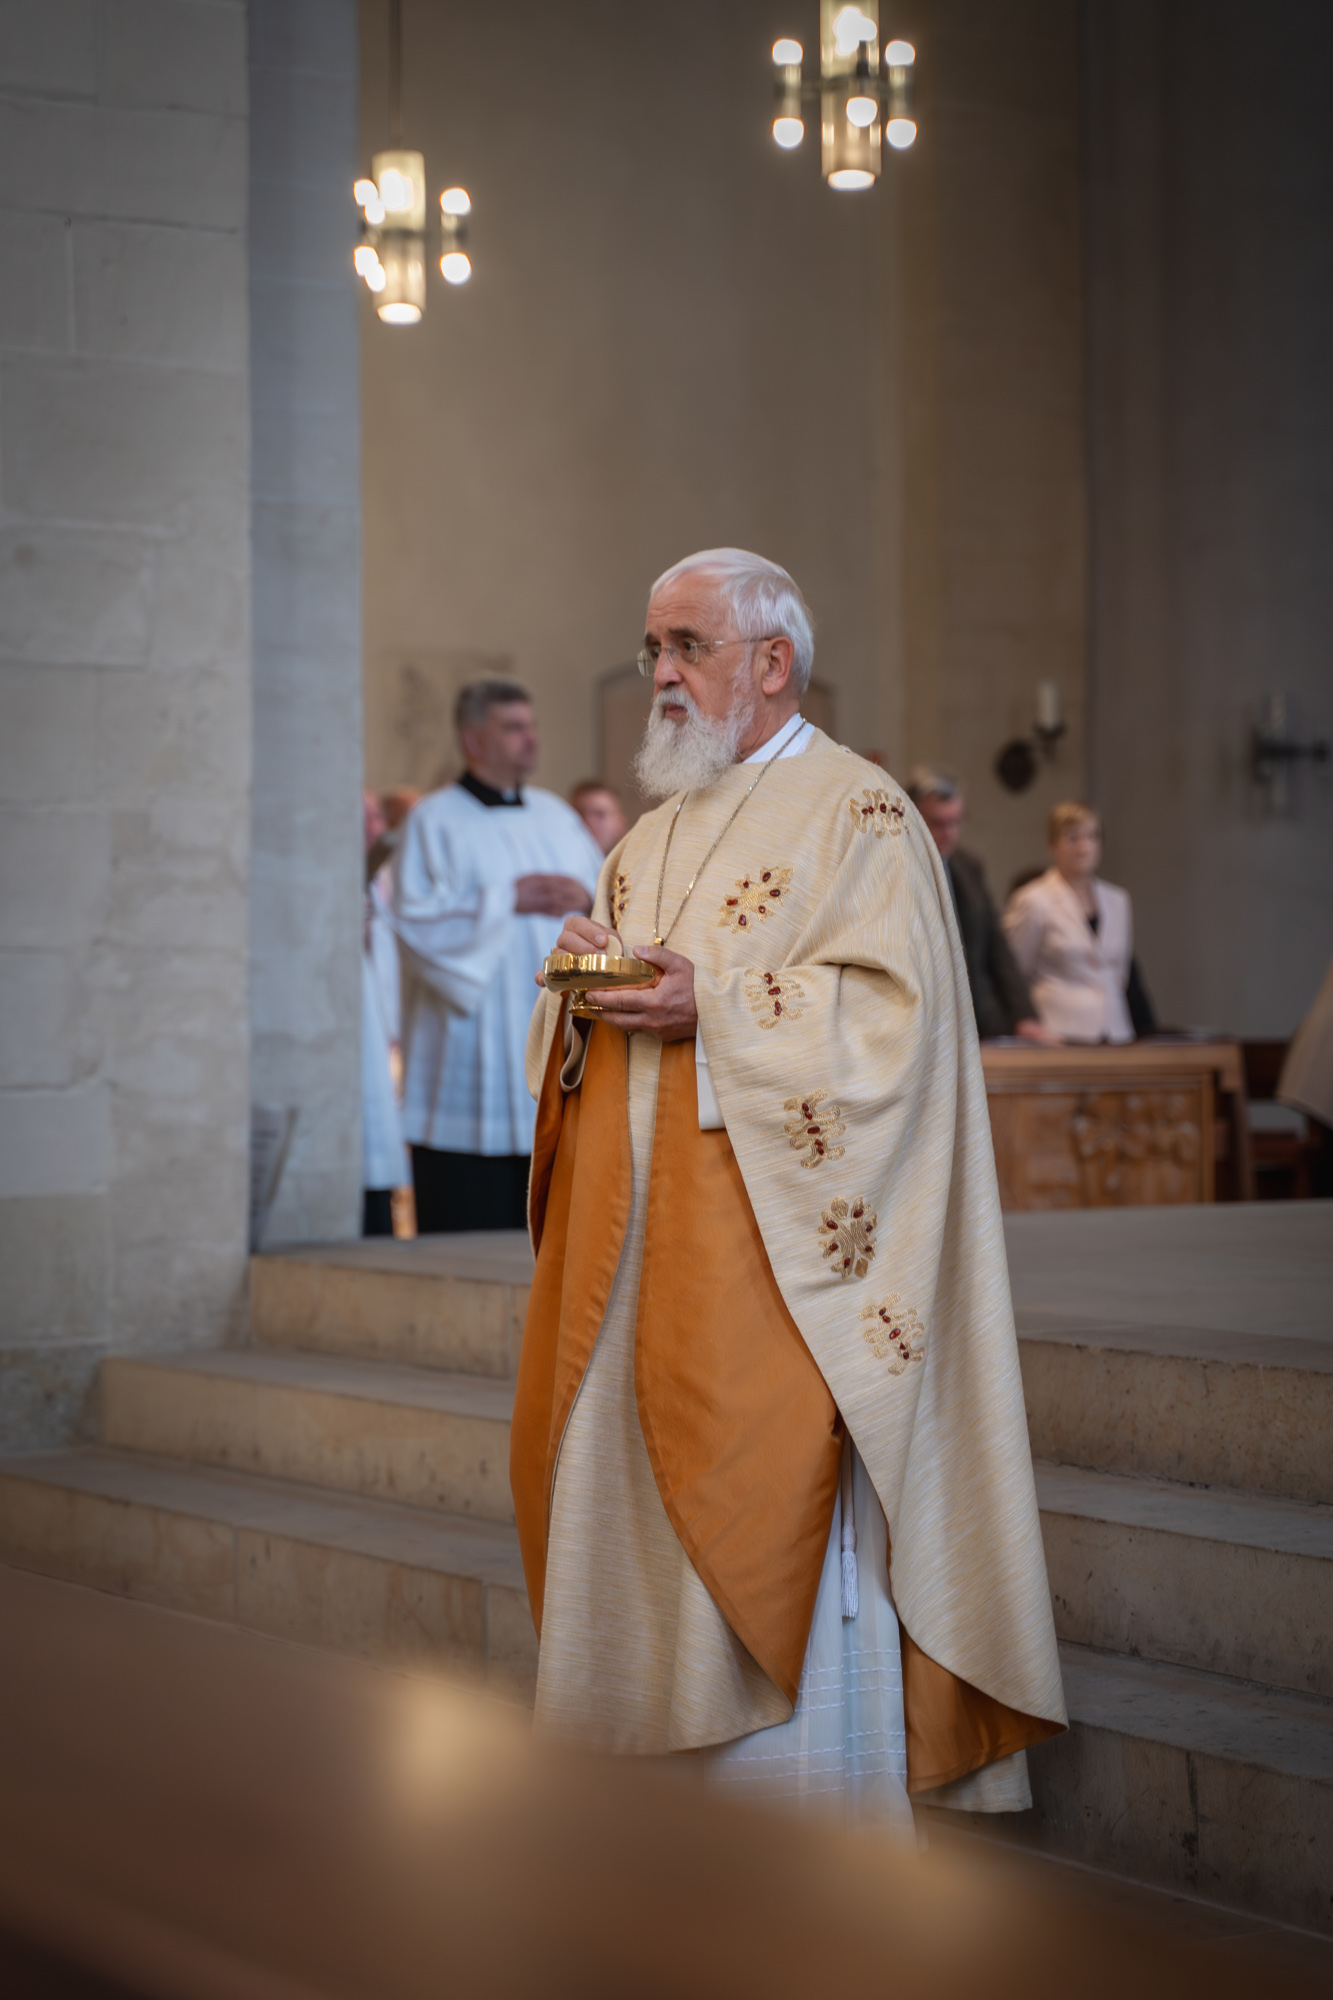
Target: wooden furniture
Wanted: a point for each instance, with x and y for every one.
(1145, 1124)
(1284, 1161)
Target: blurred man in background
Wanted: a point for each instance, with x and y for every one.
(1000, 997)
(486, 870)
(601, 812)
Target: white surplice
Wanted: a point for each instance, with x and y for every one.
(470, 961)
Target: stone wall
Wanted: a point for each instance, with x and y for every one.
(305, 913)
(1210, 186)
(124, 688)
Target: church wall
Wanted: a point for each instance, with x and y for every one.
(306, 881)
(1210, 185)
(124, 688)
(677, 336)
(988, 363)
(673, 338)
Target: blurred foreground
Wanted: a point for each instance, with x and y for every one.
(189, 1812)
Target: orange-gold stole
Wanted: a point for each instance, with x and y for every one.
(744, 1437)
(578, 1207)
(953, 1728)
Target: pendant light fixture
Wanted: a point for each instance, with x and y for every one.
(861, 101)
(398, 234)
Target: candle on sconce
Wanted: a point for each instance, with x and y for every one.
(1048, 706)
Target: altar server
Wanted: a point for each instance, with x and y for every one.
(770, 1460)
(486, 870)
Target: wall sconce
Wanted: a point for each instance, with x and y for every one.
(1018, 763)
(860, 103)
(392, 254)
(1274, 754)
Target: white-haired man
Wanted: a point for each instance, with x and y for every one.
(770, 1338)
(486, 870)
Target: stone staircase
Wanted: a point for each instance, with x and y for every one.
(1185, 1476)
(342, 1481)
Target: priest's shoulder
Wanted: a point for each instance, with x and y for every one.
(864, 794)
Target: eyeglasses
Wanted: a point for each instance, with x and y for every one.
(689, 652)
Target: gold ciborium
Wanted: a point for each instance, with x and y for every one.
(581, 973)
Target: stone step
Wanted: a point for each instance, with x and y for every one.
(411, 1435)
(1231, 1583)
(1191, 1343)
(1190, 1781)
(451, 1302)
(1182, 1403)
(387, 1583)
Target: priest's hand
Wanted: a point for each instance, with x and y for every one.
(666, 1010)
(549, 896)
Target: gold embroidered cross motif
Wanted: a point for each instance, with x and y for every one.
(813, 1131)
(895, 1334)
(845, 1229)
(757, 896)
(875, 812)
(619, 900)
(773, 997)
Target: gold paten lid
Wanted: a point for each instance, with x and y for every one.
(569, 972)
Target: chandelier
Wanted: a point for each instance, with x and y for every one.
(860, 102)
(398, 239)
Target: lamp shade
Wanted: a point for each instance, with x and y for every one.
(402, 300)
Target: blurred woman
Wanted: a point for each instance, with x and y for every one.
(1072, 936)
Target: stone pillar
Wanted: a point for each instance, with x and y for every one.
(305, 907)
(124, 690)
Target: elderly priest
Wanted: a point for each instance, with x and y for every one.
(770, 1460)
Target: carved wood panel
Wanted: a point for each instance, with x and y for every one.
(1123, 1147)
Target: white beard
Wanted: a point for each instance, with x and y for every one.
(689, 756)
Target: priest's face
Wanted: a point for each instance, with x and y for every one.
(705, 698)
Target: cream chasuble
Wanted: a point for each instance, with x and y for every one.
(857, 1176)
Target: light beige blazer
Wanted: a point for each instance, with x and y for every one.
(1078, 978)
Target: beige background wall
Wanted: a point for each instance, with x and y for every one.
(677, 336)
(1210, 150)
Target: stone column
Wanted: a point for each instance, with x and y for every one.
(124, 690)
(306, 869)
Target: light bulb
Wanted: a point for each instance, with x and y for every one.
(375, 212)
(850, 28)
(900, 132)
(787, 54)
(848, 178)
(788, 132)
(365, 192)
(456, 201)
(455, 268)
(862, 111)
(366, 259)
(375, 277)
(400, 314)
(395, 191)
(899, 55)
